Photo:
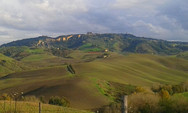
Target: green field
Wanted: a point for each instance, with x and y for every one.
(179, 95)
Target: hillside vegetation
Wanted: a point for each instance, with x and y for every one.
(100, 42)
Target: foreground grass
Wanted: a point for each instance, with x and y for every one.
(33, 107)
(179, 95)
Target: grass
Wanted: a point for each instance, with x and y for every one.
(37, 57)
(93, 50)
(135, 69)
(33, 107)
(3, 57)
(44, 60)
(90, 48)
(88, 45)
(81, 56)
(54, 81)
(179, 95)
(34, 50)
(183, 55)
(9, 65)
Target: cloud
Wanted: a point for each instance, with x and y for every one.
(177, 10)
(162, 19)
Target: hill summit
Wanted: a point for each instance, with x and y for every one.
(94, 42)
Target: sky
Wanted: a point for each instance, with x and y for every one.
(160, 19)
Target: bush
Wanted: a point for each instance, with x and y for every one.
(140, 89)
(172, 89)
(164, 94)
(144, 103)
(154, 103)
(112, 108)
(59, 101)
(166, 106)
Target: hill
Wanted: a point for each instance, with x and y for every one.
(90, 70)
(101, 42)
(9, 65)
(97, 83)
(35, 57)
(137, 69)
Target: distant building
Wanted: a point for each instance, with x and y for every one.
(89, 33)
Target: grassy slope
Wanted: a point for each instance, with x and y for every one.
(9, 65)
(36, 57)
(82, 90)
(179, 95)
(81, 56)
(137, 69)
(32, 107)
(55, 81)
(183, 55)
(45, 60)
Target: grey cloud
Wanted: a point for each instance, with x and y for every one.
(178, 10)
(162, 19)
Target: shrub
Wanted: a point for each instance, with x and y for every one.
(164, 94)
(153, 103)
(112, 108)
(172, 89)
(180, 104)
(143, 102)
(140, 89)
(178, 88)
(166, 106)
(59, 101)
